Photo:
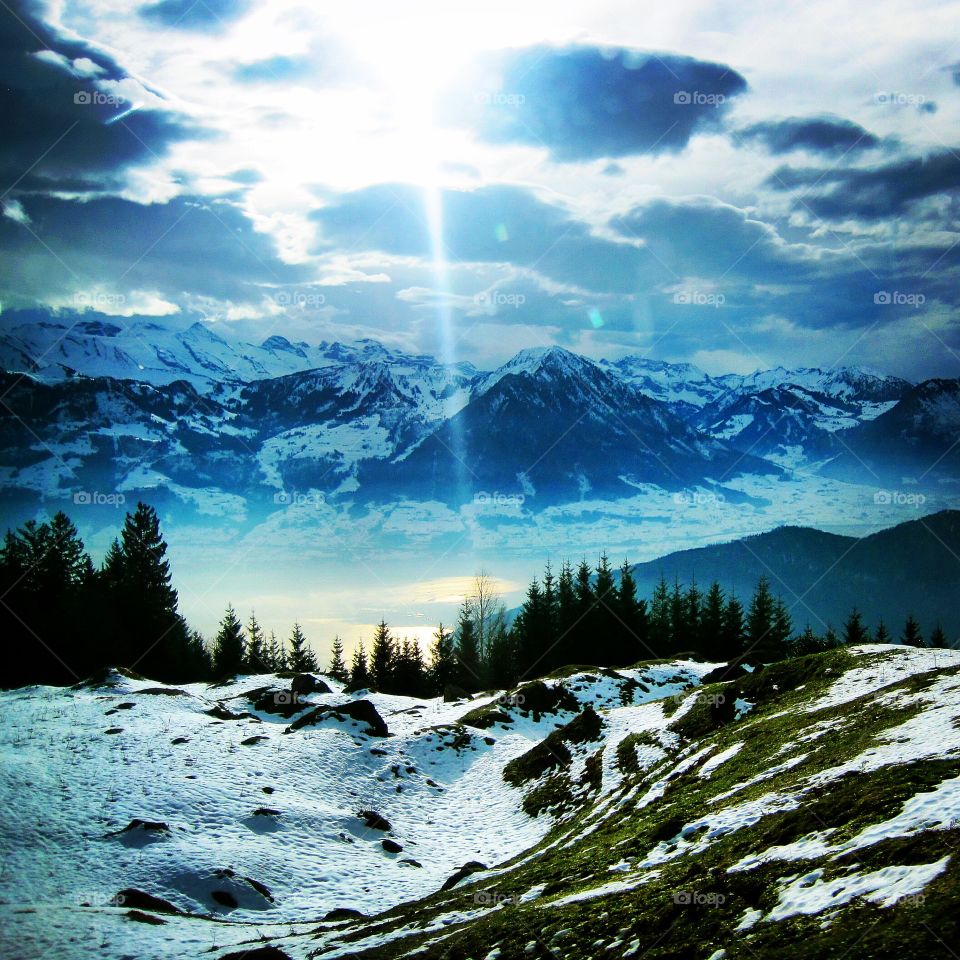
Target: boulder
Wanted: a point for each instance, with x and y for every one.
(474, 866)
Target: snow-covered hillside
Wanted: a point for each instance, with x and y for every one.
(808, 806)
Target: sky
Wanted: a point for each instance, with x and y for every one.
(729, 184)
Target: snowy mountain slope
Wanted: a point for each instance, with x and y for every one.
(160, 353)
(802, 810)
(809, 809)
(914, 440)
(363, 424)
(216, 779)
(552, 426)
(684, 386)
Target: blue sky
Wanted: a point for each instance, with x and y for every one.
(715, 182)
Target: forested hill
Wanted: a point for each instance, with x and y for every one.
(913, 567)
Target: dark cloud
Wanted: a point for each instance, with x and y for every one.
(706, 238)
(497, 224)
(199, 15)
(871, 193)
(189, 246)
(63, 125)
(583, 102)
(820, 134)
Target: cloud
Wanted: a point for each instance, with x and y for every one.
(584, 102)
(871, 193)
(827, 134)
(704, 237)
(200, 15)
(67, 111)
(493, 224)
(185, 249)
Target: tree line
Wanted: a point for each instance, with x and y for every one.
(62, 619)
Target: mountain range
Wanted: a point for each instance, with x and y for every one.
(151, 409)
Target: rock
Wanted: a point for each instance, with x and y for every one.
(452, 692)
(220, 712)
(411, 862)
(114, 730)
(474, 866)
(250, 741)
(733, 670)
(340, 913)
(266, 812)
(141, 832)
(225, 898)
(307, 683)
(176, 741)
(361, 710)
(144, 917)
(138, 900)
(259, 953)
(374, 821)
(391, 846)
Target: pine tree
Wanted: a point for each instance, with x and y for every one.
(338, 667)
(468, 656)
(228, 647)
(679, 635)
(632, 638)
(764, 632)
(882, 635)
(382, 657)
(854, 631)
(47, 583)
(830, 639)
(605, 628)
(711, 622)
(566, 617)
(301, 658)
(502, 663)
(359, 670)
(442, 671)
(781, 629)
(733, 633)
(808, 642)
(938, 639)
(409, 672)
(257, 655)
(660, 638)
(694, 614)
(276, 654)
(911, 637)
(155, 635)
